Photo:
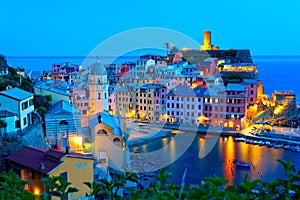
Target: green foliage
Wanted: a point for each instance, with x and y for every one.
(109, 189)
(42, 103)
(11, 187)
(230, 52)
(13, 79)
(57, 187)
(233, 78)
(211, 188)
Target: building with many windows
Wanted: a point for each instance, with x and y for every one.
(235, 106)
(185, 105)
(148, 99)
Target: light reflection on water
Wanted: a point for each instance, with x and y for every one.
(220, 161)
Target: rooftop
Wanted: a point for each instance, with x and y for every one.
(17, 94)
(150, 86)
(33, 157)
(107, 119)
(182, 90)
(62, 107)
(235, 87)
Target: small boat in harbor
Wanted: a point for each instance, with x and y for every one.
(297, 148)
(206, 137)
(277, 146)
(241, 164)
(260, 143)
(271, 144)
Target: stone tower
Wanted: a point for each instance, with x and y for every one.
(98, 88)
(207, 42)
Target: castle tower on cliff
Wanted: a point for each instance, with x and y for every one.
(207, 42)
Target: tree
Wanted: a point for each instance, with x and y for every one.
(108, 189)
(58, 187)
(42, 103)
(11, 187)
(168, 46)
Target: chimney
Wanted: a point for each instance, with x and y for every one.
(68, 149)
(42, 166)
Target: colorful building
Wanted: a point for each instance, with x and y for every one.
(185, 105)
(33, 164)
(235, 106)
(98, 88)
(251, 91)
(145, 100)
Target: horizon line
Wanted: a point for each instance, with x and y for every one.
(81, 56)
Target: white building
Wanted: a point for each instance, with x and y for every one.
(9, 118)
(19, 102)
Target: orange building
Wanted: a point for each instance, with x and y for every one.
(33, 164)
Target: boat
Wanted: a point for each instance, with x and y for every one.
(255, 142)
(287, 147)
(297, 148)
(271, 144)
(278, 146)
(260, 143)
(175, 131)
(241, 164)
(206, 137)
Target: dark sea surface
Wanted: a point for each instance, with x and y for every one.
(277, 72)
(219, 161)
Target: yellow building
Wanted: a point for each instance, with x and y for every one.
(33, 164)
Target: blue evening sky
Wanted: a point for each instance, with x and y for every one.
(74, 28)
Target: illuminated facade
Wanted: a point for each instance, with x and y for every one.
(34, 164)
(235, 106)
(207, 42)
(147, 100)
(98, 88)
(184, 105)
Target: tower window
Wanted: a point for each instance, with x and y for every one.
(99, 95)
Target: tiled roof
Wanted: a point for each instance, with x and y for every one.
(150, 86)
(16, 94)
(6, 113)
(33, 157)
(235, 87)
(107, 119)
(182, 90)
(62, 107)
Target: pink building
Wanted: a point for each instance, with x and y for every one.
(80, 99)
(214, 107)
(251, 91)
